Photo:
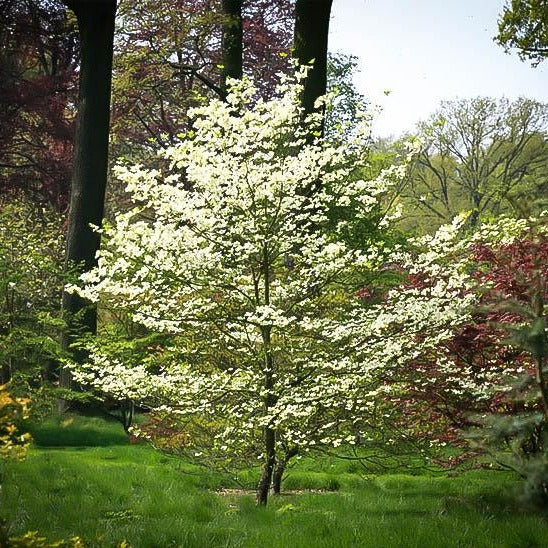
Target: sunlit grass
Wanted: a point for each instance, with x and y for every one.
(117, 491)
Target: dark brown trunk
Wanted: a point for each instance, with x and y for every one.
(269, 434)
(310, 44)
(127, 412)
(279, 470)
(277, 477)
(232, 46)
(268, 467)
(90, 161)
(5, 372)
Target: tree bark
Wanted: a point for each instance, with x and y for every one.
(127, 412)
(269, 434)
(279, 470)
(90, 160)
(232, 45)
(310, 44)
(268, 467)
(277, 477)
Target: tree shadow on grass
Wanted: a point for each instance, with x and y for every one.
(78, 432)
(502, 504)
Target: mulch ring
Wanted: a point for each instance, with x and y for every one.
(285, 492)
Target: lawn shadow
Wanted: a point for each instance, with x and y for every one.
(78, 431)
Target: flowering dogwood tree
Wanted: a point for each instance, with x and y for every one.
(237, 253)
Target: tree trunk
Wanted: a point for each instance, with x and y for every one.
(232, 46)
(310, 44)
(90, 160)
(7, 366)
(279, 470)
(277, 477)
(473, 220)
(268, 467)
(269, 434)
(127, 412)
(5, 372)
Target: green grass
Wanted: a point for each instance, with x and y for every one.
(105, 490)
(75, 431)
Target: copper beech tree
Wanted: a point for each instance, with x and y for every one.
(38, 73)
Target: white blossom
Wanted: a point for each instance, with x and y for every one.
(235, 253)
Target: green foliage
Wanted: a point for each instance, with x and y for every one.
(31, 280)
(481, 155)
(13, 442)
(344, 110)
(523, 25)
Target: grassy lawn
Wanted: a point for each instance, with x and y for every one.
(85, 479)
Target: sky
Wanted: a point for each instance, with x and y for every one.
(425, 51)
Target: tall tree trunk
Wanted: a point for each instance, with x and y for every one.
(310, 43)
(232, 46)
(90, 161)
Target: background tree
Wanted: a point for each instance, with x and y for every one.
(232, 46)
(516, 435)
(168, 58)
(523, 25)
(38, 62)
(349, 102)
(90, 163)
(480, 154)
(310, 44)
(268, 35)
(472, 374)
(163, 65)
(31, 281)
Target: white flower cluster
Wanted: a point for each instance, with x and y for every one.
(237, 253)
